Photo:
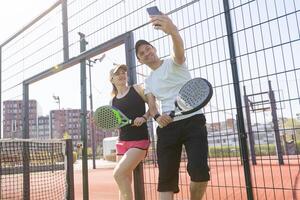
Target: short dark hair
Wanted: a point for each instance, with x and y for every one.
(138, 44)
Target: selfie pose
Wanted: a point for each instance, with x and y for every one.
(164, 82)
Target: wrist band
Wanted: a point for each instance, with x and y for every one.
(156, 116)
(144, 117)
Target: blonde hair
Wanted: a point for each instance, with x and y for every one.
(114, 91)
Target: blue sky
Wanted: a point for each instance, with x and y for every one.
(14, 14)
(13, 18)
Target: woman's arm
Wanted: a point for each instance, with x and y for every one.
(140, 90)
(140, 120)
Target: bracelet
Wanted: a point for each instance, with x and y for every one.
(156, 116)
(145, 118)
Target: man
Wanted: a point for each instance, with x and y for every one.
(163, 84)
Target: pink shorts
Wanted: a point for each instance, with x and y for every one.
(123, 146)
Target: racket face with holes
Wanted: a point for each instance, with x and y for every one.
(109, 118)
(193, 95)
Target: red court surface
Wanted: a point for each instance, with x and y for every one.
(227, 182)
(101, 185)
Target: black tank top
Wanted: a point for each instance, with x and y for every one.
(133, 106)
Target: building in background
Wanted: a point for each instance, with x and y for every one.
(43, 127)
(66, 123)
(12, 119)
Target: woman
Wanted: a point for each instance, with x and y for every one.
(133, 139)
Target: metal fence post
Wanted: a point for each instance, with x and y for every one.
(70, 171)
(83, 114)
(139, 190)
(240, 118)
(65, 29)
(275, 124)
(26, 153)
(250, 131)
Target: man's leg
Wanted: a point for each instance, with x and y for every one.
(169, 156)
(197, 190)
(196, 146)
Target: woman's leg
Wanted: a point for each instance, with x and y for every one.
(123, 171)
(119, 157)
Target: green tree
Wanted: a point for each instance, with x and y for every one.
(292, 123)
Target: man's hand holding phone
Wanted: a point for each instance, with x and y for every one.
(153, 11)
(161, 21)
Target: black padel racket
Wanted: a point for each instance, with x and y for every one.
(109, 118)
(193, 95)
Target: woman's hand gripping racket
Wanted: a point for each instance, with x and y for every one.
(110, 118)
(193, 96)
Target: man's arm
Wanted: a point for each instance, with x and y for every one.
(162, 120)
(152, 104)
(164, 23)
(178, 48)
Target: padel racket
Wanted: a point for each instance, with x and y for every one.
(193, 95)
(109, 118)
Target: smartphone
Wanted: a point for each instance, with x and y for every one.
(153, 11)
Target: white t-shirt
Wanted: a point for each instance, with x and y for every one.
(165, 82)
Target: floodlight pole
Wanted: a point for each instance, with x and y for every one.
(57, 100)
(92, 125)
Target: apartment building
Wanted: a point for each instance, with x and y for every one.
(66, 122)
(43, 127)
(12, 119)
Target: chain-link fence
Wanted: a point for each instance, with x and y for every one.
(247, 49)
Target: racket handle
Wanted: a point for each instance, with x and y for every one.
(172, 114)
